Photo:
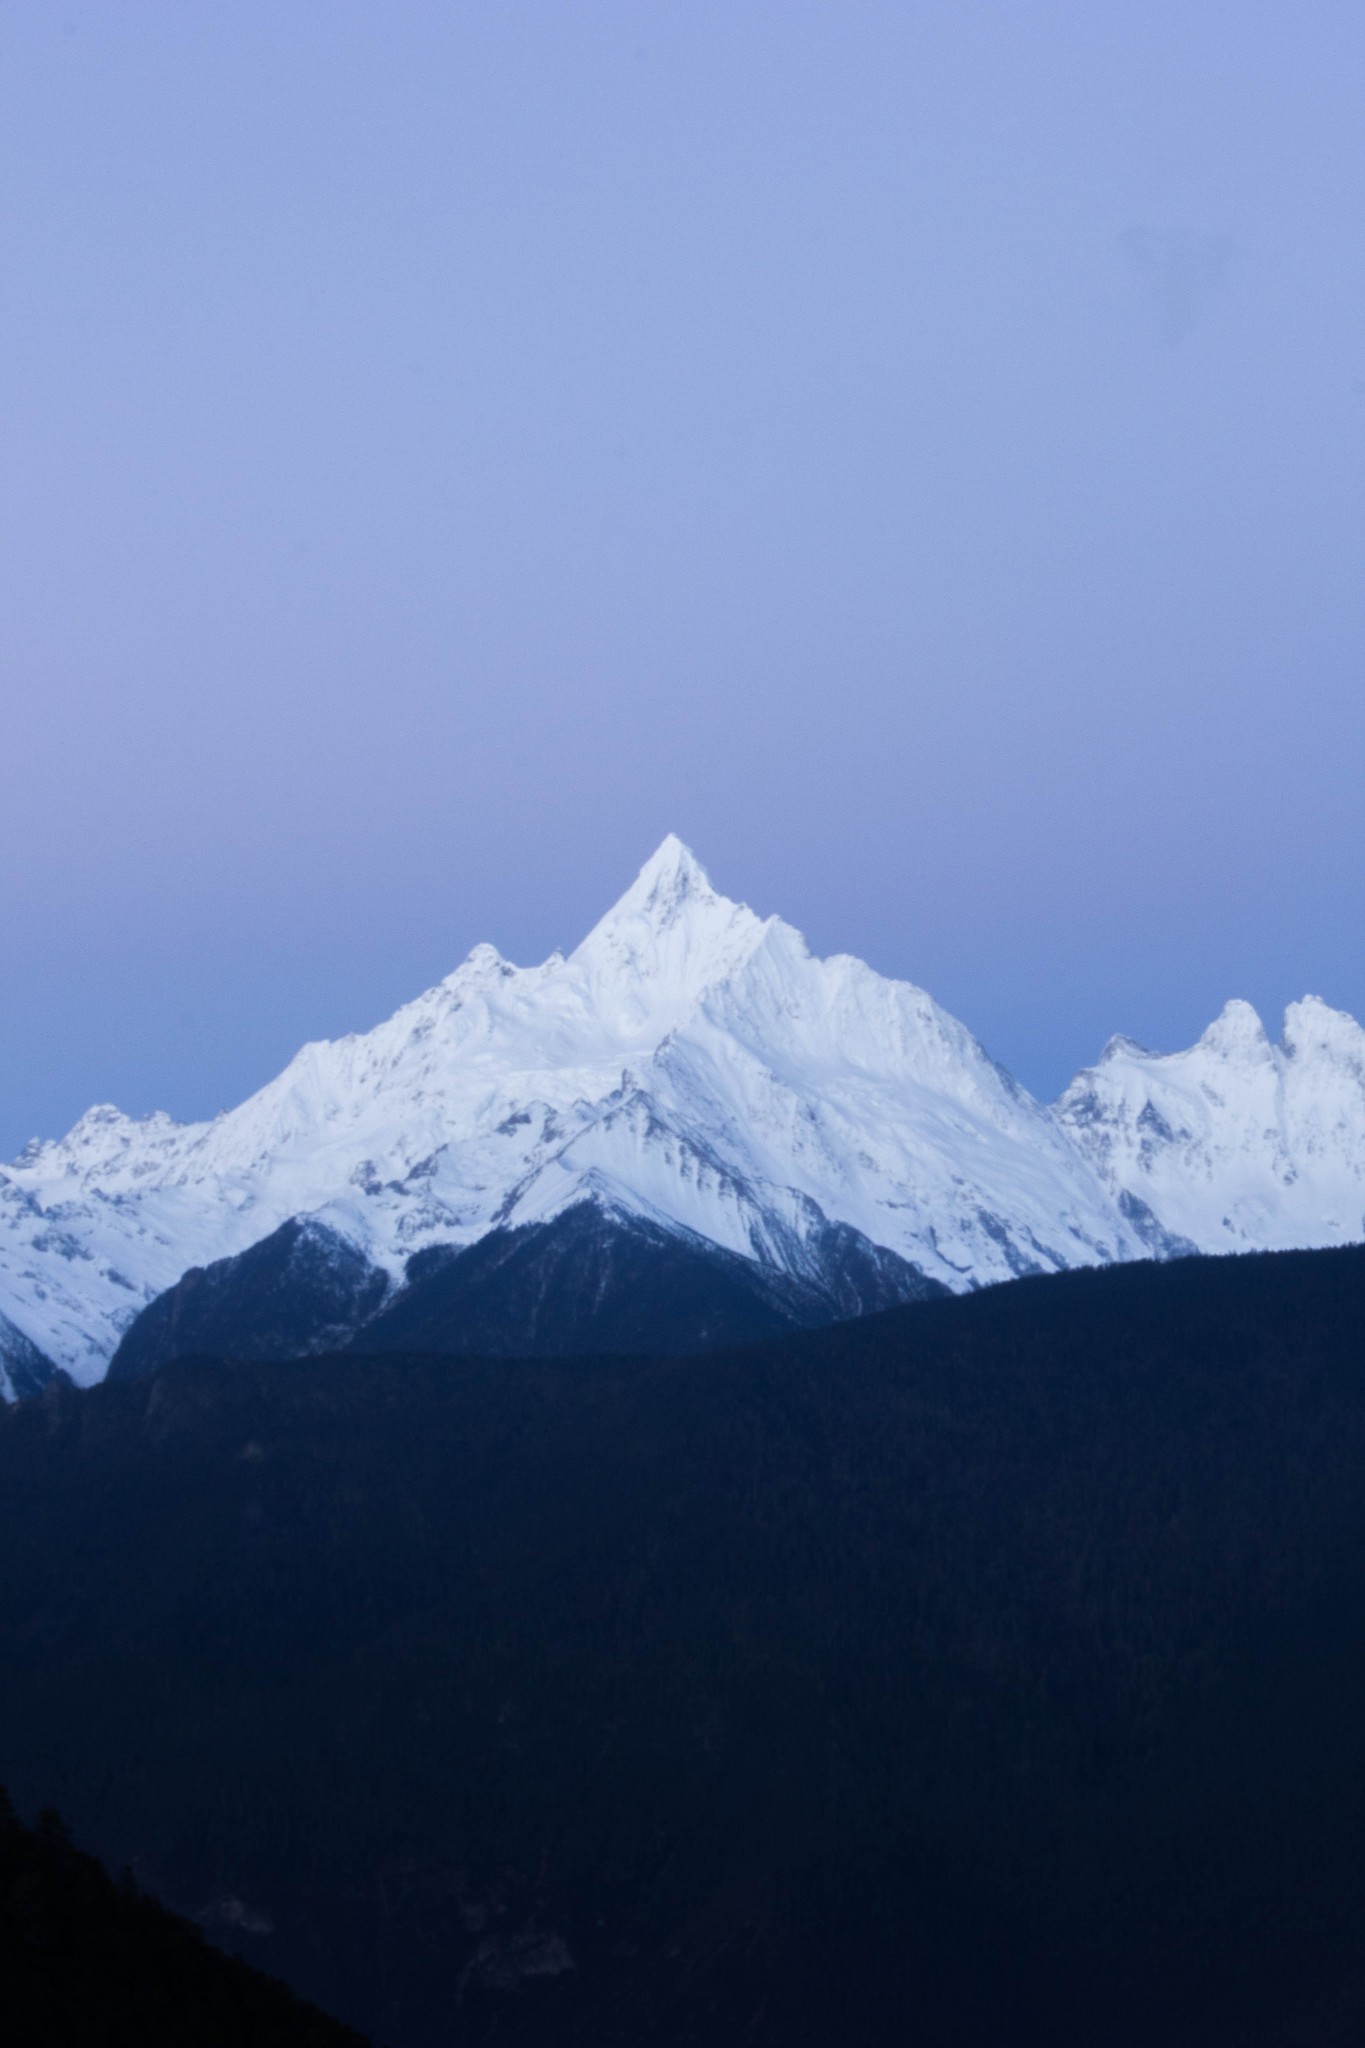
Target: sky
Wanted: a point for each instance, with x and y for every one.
(912, 451)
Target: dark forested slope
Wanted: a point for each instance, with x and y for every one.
(991, 1670)
(85, 1963)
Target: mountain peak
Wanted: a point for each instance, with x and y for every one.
(1312, 1026)
(671, 878)
(669, 937)
(1236, 1033)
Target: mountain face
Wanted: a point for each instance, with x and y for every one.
(690, 1066)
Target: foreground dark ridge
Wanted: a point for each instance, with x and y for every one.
(588, 1280)
(85, 1963)
(990, 1670)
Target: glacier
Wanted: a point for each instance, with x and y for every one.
(693, 1065)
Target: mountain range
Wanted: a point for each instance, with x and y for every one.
(689, 1097)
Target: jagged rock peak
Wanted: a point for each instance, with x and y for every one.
(669, 879)
(671, 885)
(1236, 1033)
(671, 931)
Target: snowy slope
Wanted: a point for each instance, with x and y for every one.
(690, 1063)
(1236, 1144)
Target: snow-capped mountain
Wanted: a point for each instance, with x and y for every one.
(692, 1066)
(1236, 1144)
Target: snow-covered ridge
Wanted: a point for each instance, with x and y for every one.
(693, 1064)
(1236, 1144)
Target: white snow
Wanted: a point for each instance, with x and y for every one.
(1236, 1144)
(693, 1062)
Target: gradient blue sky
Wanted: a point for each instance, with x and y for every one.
(912, 451)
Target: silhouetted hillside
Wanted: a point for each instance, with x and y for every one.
(987, 1671)
(85, 1963)
(301, 1289)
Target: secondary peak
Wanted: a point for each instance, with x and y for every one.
(1236, 1032)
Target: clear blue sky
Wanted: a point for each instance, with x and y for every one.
(912, 451)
